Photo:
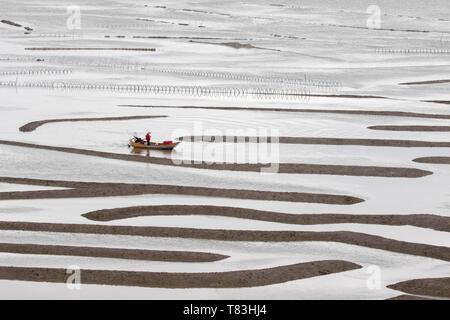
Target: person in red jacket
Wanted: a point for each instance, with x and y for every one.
(147, 138)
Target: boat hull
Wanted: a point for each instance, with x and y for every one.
(154, 145)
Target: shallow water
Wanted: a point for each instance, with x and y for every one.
(313, 41)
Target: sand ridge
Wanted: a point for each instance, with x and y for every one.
(434, 160)
(433, 287)
(31, 126)
(288, 168)
(413, 128)
(228, 279)
(346, 237)
(97, 189)
(429, 221)
(404, 114)
(114, 253)
(322, 141)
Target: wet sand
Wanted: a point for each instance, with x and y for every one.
(321, 141)
(412, 128)
(31, 126)
(439, 101)
(425, 82)
(89, 49)
(433, 287)
(408, 297)
(434, 160)
(287, 168)
(95, 189)
(114, 253)
(11, 23)
(429, 221)
(230, 279)
(346, 237)
(234, 45)
(330, 111)
(321, 169)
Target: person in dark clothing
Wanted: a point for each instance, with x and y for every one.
(147, 138)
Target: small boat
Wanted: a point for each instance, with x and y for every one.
(140, 144)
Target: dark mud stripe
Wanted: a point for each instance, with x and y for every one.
(428, 221)
(408, 297)
(229, 279)
(412, 128)
(433, 287)
(31, 126)
(331, 111)
(424, 82)
(288, 168)
(321, 169)
(321, 141)
(11, 23)
(347, 237)
(94, 189)
(433, 160)
(114, 253)
(438, 101)
(235, 45)
(89, 49)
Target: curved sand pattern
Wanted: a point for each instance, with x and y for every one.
(322, 141)
(433, 160)
(434, 287)
(434, 222)
(438, 101)
(31, 126)
(408, 297)
(346, 237)
(424, 82)
(289, 168)
(114, 253)
(88, 49)
(96, 189)
(411, 128)
(404, 114)
(229, 279)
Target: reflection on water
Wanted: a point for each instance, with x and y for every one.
(153, 153)
(143, 152)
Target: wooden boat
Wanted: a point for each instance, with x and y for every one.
(166, 145)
